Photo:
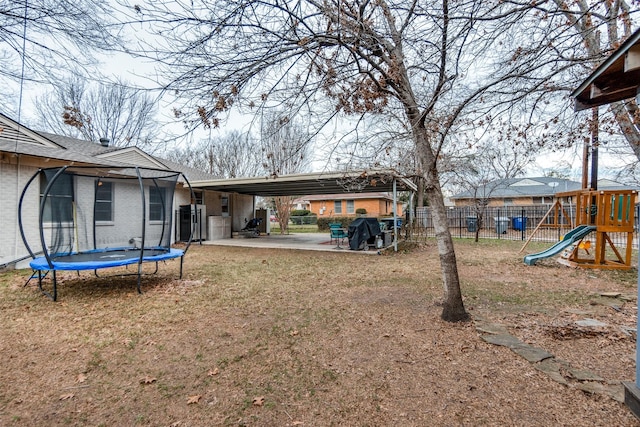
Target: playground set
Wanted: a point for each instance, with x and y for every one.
(599, 212)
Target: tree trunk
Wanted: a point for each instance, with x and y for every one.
(453, 307)
(283, 207)
(420, 193)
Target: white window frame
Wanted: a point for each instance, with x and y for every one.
(155, 205)
(109, 201)
(351, 206)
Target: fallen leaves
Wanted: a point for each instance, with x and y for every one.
(67, 396)
(258, 401)
(213, 372)
(148, 380)
(192, 400)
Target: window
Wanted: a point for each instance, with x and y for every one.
(337, 207)
(199, 197)
(104, 201)
(157, 201)
(224, 203)
(508, 202)
(351, 206)
(59, 206)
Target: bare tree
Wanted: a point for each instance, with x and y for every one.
(478, 178)
(40, 40)
(413, 61)
(285, 147)
(561, 43)
(123, 114)
(232, 155)
(590, 21)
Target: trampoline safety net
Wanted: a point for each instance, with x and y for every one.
(84, 210)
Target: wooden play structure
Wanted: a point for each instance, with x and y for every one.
(610, 211)
(597, 212)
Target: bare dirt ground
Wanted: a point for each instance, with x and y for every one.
(257, 337)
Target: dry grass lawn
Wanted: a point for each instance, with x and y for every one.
(254, 337)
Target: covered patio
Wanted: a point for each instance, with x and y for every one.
(299, 241)
(362, 181)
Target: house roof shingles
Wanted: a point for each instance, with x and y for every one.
(18, 139)
(529, 187)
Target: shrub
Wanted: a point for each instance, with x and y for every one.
(323, 223)
(361, 211)
(300, 212)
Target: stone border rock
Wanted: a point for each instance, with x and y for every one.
(545, 362)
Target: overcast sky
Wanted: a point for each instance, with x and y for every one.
(142, 73)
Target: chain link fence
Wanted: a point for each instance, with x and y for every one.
(303, 220)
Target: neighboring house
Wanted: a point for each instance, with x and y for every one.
(23, 151)
(345, 205)
(524, 191)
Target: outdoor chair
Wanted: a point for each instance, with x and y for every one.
(337, 232)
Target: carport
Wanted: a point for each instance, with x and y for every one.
(314, 183)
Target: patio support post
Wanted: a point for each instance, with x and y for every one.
(411, 221)
(395, 217)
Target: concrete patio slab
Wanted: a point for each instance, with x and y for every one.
(300, 241)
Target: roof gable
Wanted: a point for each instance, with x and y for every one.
(14, 133)
(132, 156)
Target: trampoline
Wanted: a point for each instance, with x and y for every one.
(93, 218)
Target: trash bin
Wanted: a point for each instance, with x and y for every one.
(520, 223)
(472, 224)
(502, 224)
(389, 223)
(387, 238)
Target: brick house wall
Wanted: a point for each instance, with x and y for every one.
(376, 205)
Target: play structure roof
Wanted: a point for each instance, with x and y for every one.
(617, 78)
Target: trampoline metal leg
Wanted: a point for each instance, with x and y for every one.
(53, 296)
(55, 286)
(181, 260)
(139, 278)
(33, 276)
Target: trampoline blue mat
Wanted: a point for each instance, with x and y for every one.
(106, 258)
